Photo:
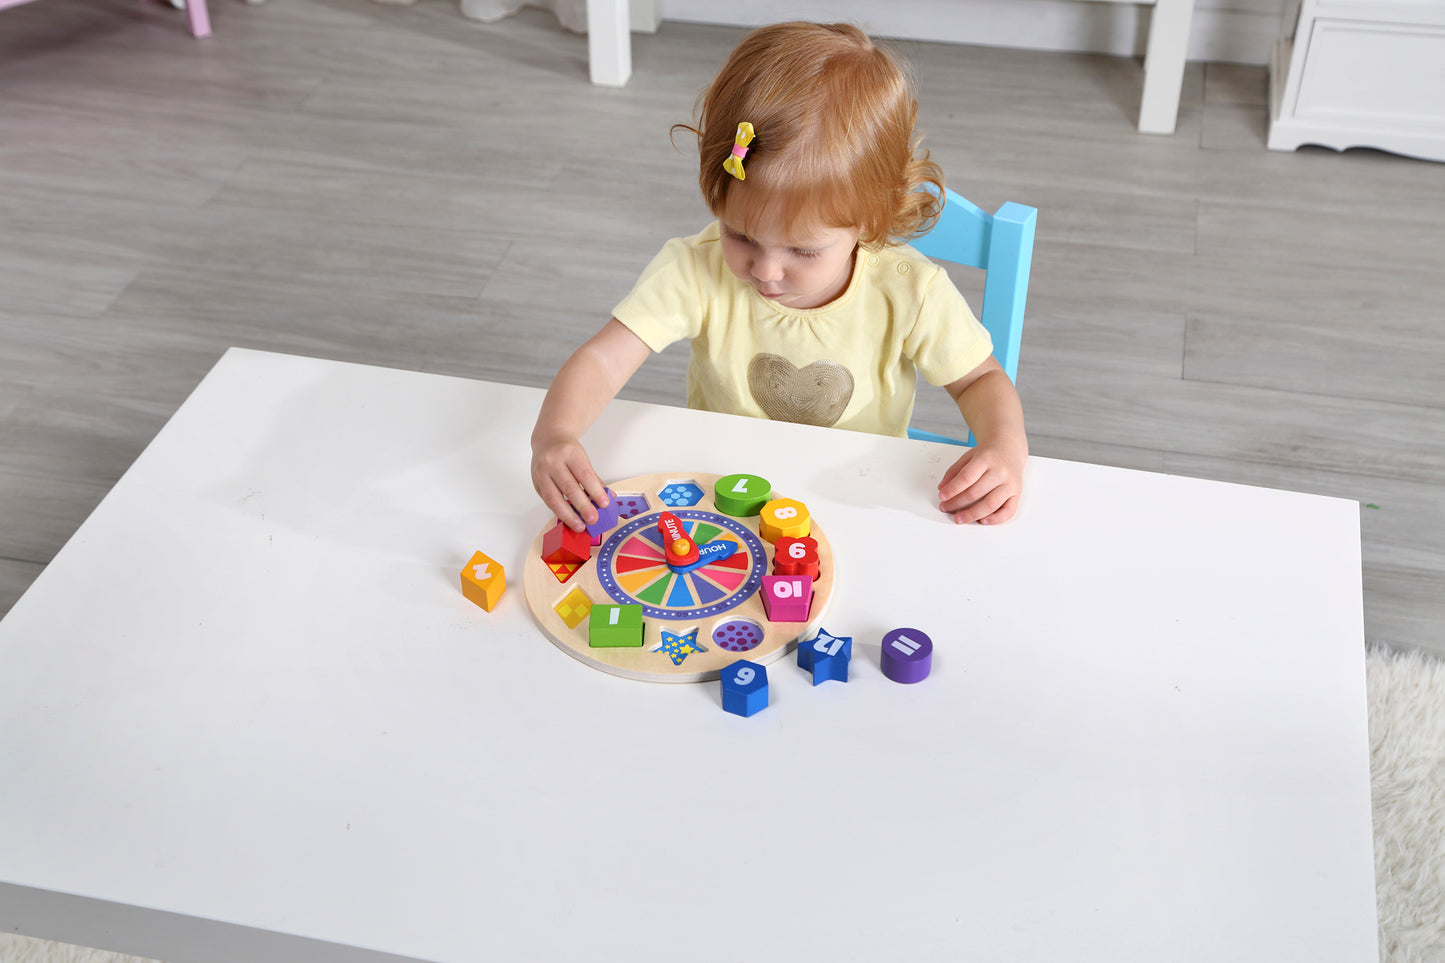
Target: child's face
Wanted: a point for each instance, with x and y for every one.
(806, 268)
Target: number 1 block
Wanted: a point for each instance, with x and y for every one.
(484, 580)
(615, 626)
(787, 598)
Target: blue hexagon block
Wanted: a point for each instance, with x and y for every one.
(744, 688)
(680, 495)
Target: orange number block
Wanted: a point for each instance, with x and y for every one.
(784, 517)
(484, 580)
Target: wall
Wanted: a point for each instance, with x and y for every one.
(1234, 31)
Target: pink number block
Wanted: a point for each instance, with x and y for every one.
(787, 598)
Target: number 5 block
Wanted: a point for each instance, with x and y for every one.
(484, 580)
(787, 598)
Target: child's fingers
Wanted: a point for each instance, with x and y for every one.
(1003, 513)
(592, 487)
(579, 505)
(555, 500)
(961, 476)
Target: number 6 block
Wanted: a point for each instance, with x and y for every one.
(787, 598)
(744, 688)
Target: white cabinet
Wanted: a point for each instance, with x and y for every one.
(1360, 73)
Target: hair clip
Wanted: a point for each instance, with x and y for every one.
(734, 163)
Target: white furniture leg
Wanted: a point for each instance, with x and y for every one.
(609, 47)
(646, 16)
(1164, 65)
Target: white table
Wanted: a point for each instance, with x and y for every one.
(247, 714)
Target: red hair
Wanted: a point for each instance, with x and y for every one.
(834, 145)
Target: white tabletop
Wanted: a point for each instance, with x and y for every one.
(247, 708)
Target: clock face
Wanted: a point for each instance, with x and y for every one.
(695, 619)
(632, 567)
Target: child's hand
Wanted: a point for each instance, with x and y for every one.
(563, 476)
(984, 485)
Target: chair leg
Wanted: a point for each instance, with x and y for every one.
(199, 17)
(609, 42)
(1164, 65)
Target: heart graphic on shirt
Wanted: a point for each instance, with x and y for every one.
(815, 395)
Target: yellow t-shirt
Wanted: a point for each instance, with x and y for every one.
(852, 363)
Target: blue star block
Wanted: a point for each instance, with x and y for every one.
(826, 656)
(826, 644)
(744, 688)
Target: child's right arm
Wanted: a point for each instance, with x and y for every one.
(561, 471)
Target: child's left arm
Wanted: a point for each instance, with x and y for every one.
(984, 485)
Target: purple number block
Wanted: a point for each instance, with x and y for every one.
(907, 656)
(787, 598)
(606, 519)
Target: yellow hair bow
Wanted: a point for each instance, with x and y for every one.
(734, 163)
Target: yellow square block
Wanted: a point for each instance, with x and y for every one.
(574, 609)
(484, 580)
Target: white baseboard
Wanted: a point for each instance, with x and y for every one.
(1242, 33)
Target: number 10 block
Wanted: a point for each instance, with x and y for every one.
(787, 598)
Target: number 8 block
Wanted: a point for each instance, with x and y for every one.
(784, 517)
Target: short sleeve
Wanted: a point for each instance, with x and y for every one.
(947, 340)
(666, 303)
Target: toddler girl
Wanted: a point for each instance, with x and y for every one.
(801, 301)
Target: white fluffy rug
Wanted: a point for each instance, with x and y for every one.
(1407, 773)
(1407, 782)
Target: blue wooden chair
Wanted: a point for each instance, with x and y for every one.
(1002, 244)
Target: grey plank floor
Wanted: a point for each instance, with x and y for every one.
(400, 186)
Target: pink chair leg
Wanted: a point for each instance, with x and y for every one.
(199, 17)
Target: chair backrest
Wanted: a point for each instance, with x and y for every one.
(1002, 244)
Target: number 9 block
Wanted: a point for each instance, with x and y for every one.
(796, 556)
(744, 688)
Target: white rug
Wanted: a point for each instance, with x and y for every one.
(1407, 773)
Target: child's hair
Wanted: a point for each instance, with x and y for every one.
(833, 117)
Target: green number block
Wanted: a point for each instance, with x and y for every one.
(741, 496)
(614, 626)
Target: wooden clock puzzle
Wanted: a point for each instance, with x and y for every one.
(683, 575)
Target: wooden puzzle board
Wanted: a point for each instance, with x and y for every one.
(723, 604)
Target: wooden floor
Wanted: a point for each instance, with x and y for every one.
(400, 186)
